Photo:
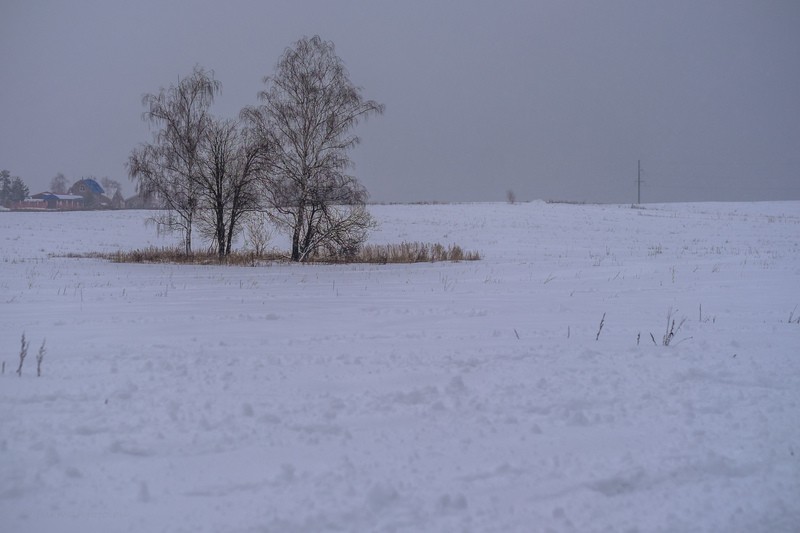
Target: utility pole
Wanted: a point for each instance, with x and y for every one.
(639, 182)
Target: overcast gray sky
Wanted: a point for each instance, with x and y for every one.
(552, 99)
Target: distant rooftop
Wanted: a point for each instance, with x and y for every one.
(93, 186)
(47, 195)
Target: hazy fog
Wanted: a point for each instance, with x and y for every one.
(555, 100)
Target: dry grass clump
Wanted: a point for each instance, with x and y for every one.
(412, 252)
(405, 252)
(153, 254)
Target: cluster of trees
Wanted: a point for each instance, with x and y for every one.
(286, 158)
(12, 190)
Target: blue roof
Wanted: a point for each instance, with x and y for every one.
(94, 186)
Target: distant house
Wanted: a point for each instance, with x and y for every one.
(92, 193)
(85, 194)
(60, 201)
(30, 204)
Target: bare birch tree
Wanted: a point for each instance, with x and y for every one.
(228, 181)
(309, 110)
(170, 165)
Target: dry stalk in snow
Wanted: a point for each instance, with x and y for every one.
(39, 358)
(671, 329)
(23, 351)
(602, 321)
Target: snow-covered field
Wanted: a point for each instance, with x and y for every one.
(468, 396)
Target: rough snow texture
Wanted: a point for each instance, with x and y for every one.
(432, 397)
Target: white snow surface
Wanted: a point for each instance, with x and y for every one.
(472, 396)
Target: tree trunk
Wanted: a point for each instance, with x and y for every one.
(188, 240)
(298, 227)
(221, 248)
(234, 219)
